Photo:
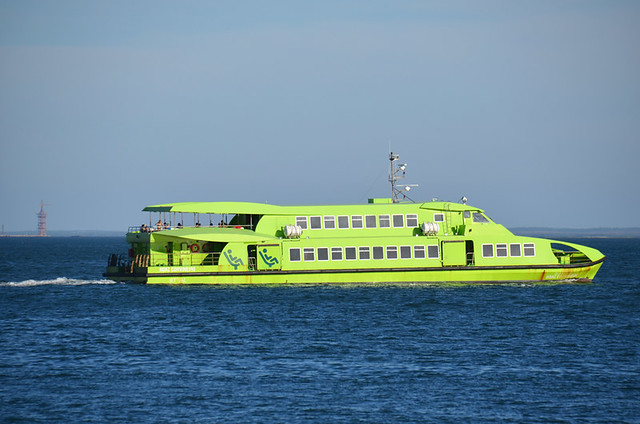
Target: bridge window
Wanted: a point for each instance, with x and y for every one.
(323, 253)
(501, 250)
(398, 221)
(418, 252)
(308, 254)
(433, 252)
(405, 252)
(384, 221)
(329, 222)
(364, 253)
(514, 249)
(370, 221)
(301, 221)
(378, 252)
(412, 220)
(438, 217)
(294, 254)
(392, 252)
(350, 253)
(336, 253)
(478, 217)
(316, 222)
(529, 249)
(343, 221)
(487, 250)
(356, 221)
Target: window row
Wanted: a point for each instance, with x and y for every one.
(363, 253)
(502, 250)
(330, 222)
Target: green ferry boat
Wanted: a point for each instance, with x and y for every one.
(384, 241)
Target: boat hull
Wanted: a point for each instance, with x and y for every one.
(584, 272)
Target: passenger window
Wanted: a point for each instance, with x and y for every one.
(336, 253)
(294, 254)
(343, 221)
(308, 254)
(405, 252)
(514, 249)
(378, 252)
(301, 221)
(412, 220)
(370, 221)
(392, 252)
(433, 251)
(356, 221)
(501, 250)
(350, 253)
(329, 222)
(438, 217)
(384, 221)
(323, 253)
(316, 222)
(487, 250)
(418, 252)
(398, 221)
(364, 253)
(529, 249)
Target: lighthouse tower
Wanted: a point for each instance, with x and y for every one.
(42, 221)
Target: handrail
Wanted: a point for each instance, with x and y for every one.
(147, 229)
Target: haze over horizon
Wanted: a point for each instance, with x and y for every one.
(530, 110)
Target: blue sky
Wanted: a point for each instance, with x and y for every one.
(529, 109)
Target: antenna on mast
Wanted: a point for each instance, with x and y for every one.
(398, 194)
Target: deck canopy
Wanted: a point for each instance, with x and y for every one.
(249, 208)
(214, 234)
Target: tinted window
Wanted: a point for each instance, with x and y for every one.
(343, 221)
(433, 252)
(350, 253)
(336, 253)
(302, 222)
(438, 217)
(370, 221)
(384, 221)
(316, 222)
(412, 220)
(329, 222)
(478, 217)
(514, 249)
(487, 250)
(323, 253)
(501, 250)
(529, 249)
(356, 221)
(364, 253)
(308, 254)
(398, 221)
(294, 254)
(378, 252)
(392, 252)
(405, 252)
(418, 252)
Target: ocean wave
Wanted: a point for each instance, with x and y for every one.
(60, 281)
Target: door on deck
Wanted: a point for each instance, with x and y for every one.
(454, 253)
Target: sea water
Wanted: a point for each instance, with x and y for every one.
(75, 347)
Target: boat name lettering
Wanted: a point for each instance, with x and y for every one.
(177, 269)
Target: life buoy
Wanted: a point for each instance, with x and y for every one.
(206, 247)
(195, 248)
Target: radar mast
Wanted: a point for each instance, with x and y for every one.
(397, 172)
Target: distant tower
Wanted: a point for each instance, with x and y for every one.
(42, 221)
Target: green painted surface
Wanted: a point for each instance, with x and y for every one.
(374, 242)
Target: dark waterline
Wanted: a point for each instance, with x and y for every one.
(77, 348)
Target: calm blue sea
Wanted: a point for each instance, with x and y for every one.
(76, 348)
